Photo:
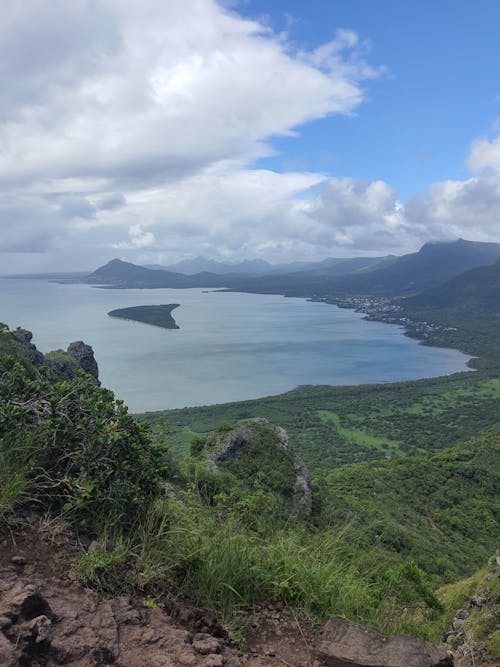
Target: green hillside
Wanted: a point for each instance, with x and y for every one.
(473, 294)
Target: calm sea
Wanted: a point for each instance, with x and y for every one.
(229, 346)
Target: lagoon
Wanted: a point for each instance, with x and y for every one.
(229, 347)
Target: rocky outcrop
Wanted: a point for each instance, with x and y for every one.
(84, 358)
(474, 631)
(302, 495)
(228, 446)
(22, 339)
(60, 364)
(346, 644)
(224, 446)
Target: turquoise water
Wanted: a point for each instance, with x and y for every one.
(229, 346)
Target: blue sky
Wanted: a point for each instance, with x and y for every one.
(155, 131)
(441, 90)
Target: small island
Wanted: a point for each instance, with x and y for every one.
(158, 316)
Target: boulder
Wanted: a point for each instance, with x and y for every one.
(347, 644)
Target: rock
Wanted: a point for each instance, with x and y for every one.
(39, 628)
(18, 561)
(478, 601)
(7, 652)
(5, 622)
(205, 644)
(94, 546)
(84, 358)
(346, 644)
(22, 339)
(186, 659)
(213, 661)
(302, 496)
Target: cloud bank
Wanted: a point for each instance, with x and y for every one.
(135, 127)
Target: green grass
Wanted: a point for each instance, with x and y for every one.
(358, 436)
(215, 562)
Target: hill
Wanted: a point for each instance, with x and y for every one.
(473, 294)
(119, 274)
(433, 264)
(444, 504)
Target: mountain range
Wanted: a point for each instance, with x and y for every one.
(257, 267)
(433, 265)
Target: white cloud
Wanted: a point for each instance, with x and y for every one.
(116, 101)
(451, 209)
(485, 154)
(139, 239)
(133, 126)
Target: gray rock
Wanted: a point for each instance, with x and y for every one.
(302, 496)
(477, 601)
(84, 357)
(39, 628)
(22, 339)
(346, 644)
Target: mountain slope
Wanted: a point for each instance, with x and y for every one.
(443, 511)
(475, 293)
(433, 264)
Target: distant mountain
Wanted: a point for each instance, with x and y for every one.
(432, 265)
(127, 275)
(199, 264)
(259, 267)
(473, 294)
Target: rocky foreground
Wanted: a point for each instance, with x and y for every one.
(47, 618)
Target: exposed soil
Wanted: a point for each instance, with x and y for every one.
(47, 618)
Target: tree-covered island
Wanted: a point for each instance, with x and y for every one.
(158, 316)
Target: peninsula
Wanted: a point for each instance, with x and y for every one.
(158, 316)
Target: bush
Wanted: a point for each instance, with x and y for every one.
(73, 448)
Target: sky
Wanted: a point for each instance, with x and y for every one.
(155, 131)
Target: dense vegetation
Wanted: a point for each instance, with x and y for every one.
(336, 426)
(158, 316)
(69, 447)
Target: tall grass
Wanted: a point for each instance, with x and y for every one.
(15, 466)
(224, 567)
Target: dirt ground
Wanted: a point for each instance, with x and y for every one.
(47, 618)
